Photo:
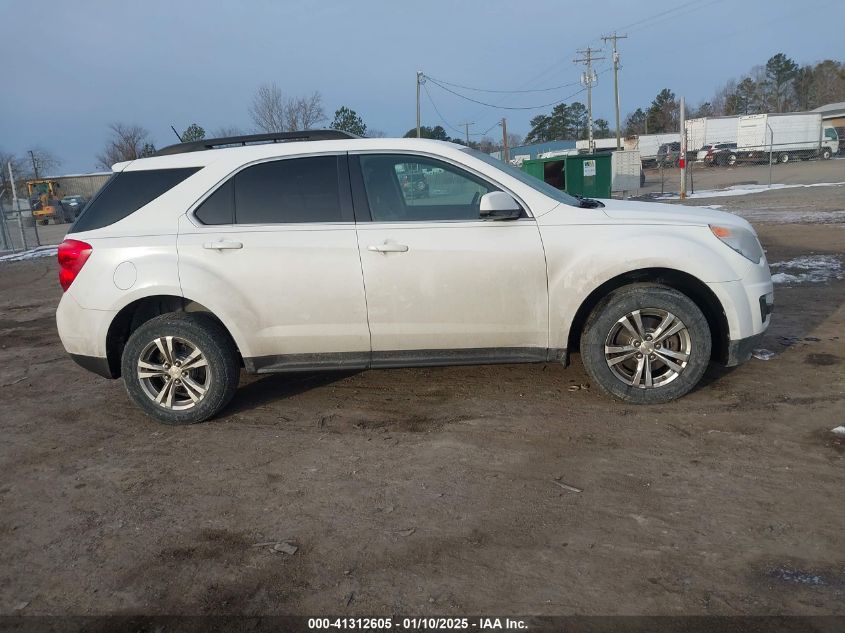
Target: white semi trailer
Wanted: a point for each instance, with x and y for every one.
(710, 130)
(785, 137)
(648, 144)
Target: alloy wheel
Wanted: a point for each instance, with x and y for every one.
(648, 348)
(174, 373)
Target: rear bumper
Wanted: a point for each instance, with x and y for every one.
(99, 366)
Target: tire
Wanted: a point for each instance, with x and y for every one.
(731, 160)
(783, 158)
(653, 303)
(826, 153)
(204, 390)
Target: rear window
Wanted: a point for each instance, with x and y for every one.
(284, 191)
(125, 193)
(293, 190)
(219, 207)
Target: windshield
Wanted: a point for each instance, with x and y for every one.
(521, 176)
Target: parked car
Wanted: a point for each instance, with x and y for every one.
(414, 184)
(668, 154)
(718, 154)
(309, 255)
(72, 206)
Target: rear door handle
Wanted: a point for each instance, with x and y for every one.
(388, 247)
(223, 245)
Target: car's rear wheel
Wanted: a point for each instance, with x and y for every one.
(784, 158)
(646, 344)
(180, 368)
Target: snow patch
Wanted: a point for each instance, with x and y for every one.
(742, 190)
(35, 253)
(808, 269)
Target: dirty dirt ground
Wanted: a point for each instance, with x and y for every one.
(434, 491)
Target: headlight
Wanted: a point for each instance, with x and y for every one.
(743, 241)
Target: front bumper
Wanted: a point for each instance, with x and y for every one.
(740, 351)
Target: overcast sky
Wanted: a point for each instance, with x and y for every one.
(70, 68)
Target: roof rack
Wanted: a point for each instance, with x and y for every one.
(254, 139)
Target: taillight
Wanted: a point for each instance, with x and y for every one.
(72, 257)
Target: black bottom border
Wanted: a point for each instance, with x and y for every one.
(538, 624)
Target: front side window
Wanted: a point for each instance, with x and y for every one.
(415, 188)
(830, 133)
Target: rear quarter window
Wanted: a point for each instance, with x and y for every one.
(125, 193)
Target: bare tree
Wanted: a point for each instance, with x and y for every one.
(41, 162)
(302, 113)
(18, 169)
(271, 112)
(488, 145)
(126, 143)
(227, 130)
(268, 109)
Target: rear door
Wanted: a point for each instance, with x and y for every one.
(273, 248)
(443, 285)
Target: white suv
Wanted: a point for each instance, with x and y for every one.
(328, 251)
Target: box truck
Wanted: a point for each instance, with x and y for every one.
(786, 137)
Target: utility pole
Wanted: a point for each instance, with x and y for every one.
(588, 78)
(34, 164)
(466, 127)
(420, 80)
(682, 159)
(614, 38)
(505, 152)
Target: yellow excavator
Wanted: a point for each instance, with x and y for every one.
(44, 201)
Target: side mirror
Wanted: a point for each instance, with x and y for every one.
(498, 205)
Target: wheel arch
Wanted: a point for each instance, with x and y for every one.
(683, 282)
(136, 313)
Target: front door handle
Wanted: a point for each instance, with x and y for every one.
(223, 245)
(388, 247)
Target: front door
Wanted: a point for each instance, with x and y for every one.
(443, 285)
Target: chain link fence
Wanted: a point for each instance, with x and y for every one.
(760, 149)
(20, 232)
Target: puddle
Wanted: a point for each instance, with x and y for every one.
(797, 576)
(807, 269)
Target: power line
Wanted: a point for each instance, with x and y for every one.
(501, 107)
(449, 125)
(442, 118)
(658, 15)
(574, 83)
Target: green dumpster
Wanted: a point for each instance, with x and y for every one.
(549, 170)
(588, 175)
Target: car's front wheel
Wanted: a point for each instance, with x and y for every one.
(646, 344)
(180, 368)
